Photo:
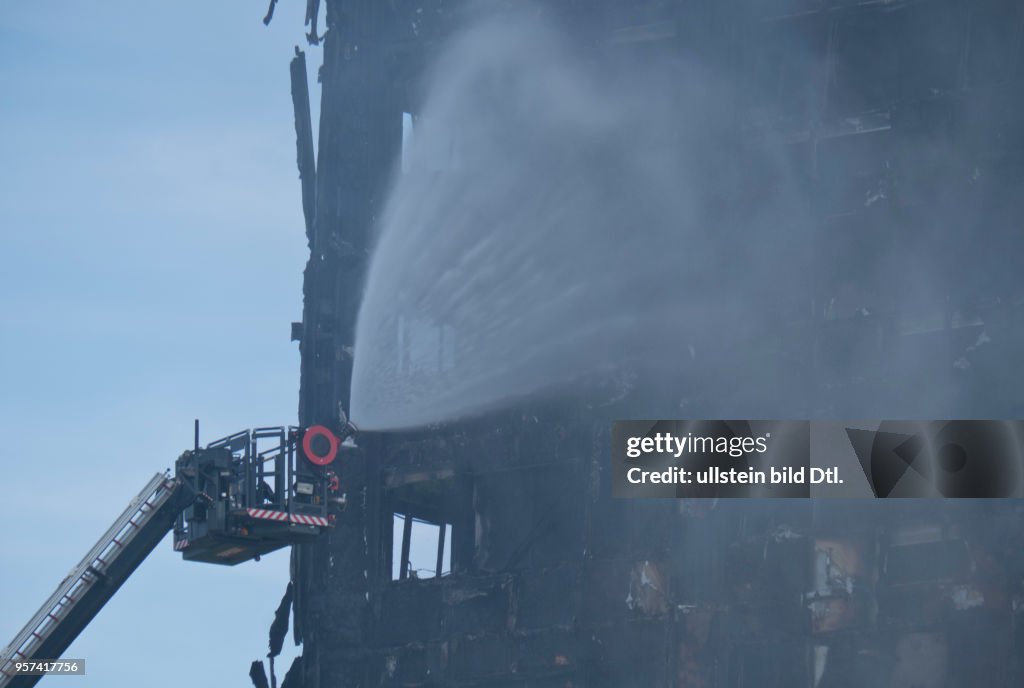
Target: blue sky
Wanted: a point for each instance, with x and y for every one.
(151, 255)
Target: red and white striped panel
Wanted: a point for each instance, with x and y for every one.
(310, 520)
(268, 514)
(180, 545)
(271, 515)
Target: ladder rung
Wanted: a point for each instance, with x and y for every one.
(92, 568)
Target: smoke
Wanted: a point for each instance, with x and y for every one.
(565, 215)
(557, 218)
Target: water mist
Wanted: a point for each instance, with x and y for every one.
(555, 218)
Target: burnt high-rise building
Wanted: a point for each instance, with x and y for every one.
(904, 123)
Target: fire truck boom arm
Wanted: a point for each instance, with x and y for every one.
(81, 595)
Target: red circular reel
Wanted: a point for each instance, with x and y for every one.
(307, 445)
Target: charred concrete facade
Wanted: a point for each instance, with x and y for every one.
(904, 121)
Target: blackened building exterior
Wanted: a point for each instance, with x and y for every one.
(904, 122)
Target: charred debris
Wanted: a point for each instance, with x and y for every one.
(902, 121)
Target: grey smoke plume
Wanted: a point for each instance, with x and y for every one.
(557, 218)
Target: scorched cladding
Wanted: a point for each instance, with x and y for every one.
(902, 123)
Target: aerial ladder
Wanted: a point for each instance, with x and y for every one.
(236, 499)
